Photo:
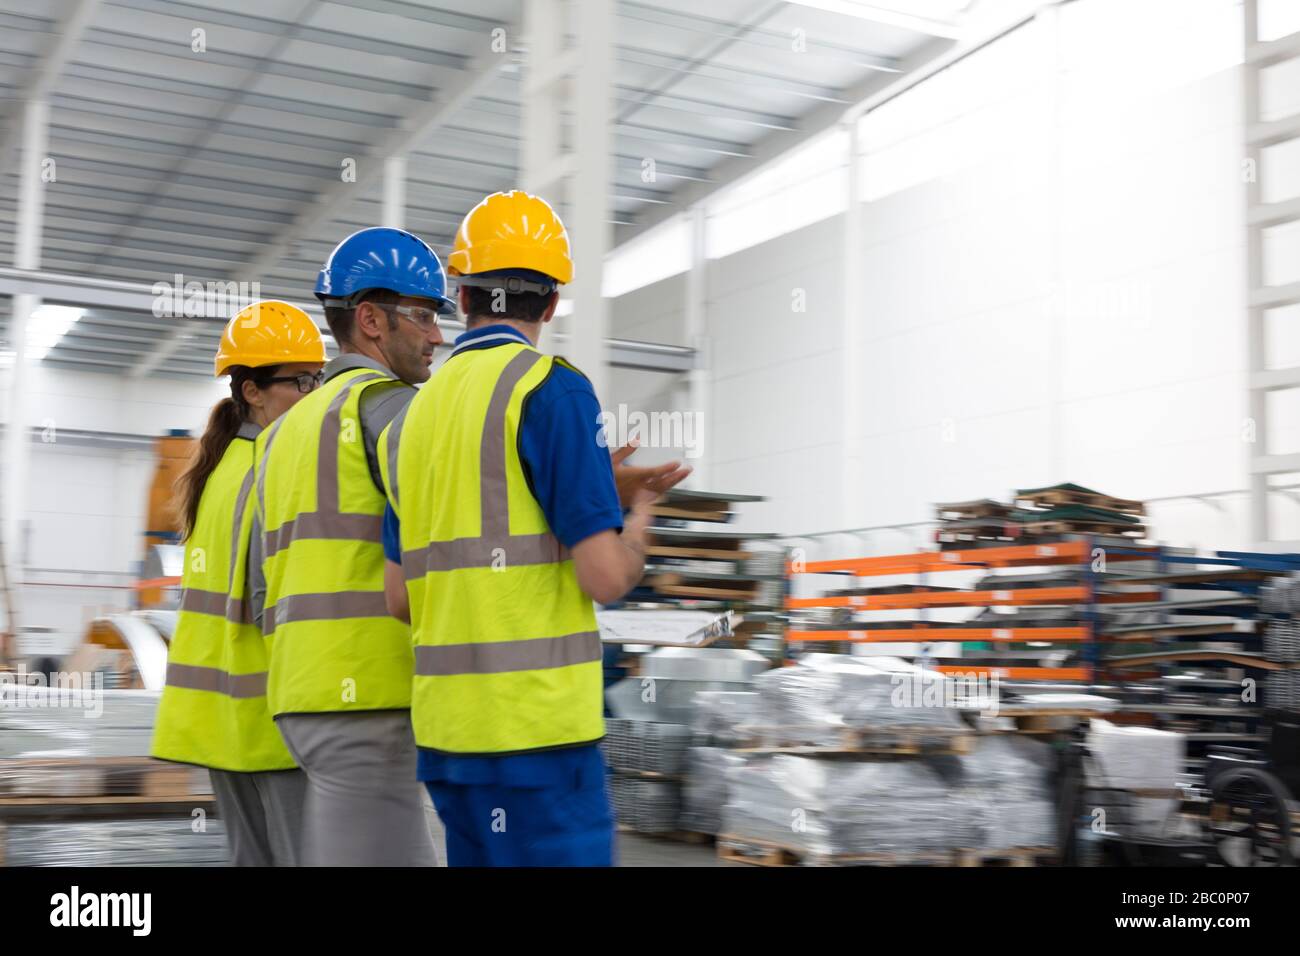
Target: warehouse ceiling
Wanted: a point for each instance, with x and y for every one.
(205, 153)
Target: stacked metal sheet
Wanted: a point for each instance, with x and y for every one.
(169, 842)
(647, 805)
(1282, 690)
(705, 792)
(65, 743)
(54, 722)
(646, 747)
(846, 808)
(663, 747)
(1282, 641)
(671, 679)
(1007, 779)
(648, 760)
(814, 702)
(721, 717)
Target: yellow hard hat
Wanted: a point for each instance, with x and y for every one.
(512, 230)
(269, 333)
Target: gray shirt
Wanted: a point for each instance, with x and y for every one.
(380, 404)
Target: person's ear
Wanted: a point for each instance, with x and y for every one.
(368, 320)
(550, 309)
(252, 394)
(462, 299)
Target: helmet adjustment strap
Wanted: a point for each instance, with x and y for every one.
(511, 284)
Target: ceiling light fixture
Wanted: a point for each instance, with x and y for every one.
(50, 323)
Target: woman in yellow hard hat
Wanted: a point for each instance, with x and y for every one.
(213, 710)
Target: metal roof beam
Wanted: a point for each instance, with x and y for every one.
(754, 36)
(222, 157)
(99, 295)
(207, 13)
(219, 184)
(426, 14)
(731, 33)
(717, 73)
(171, 202)
(48, 67)
(211, 91)
(418, 128)
(171, 119)
(121, 40)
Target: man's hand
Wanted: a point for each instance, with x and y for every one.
(635, 482)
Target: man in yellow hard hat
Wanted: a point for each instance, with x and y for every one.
(505, 523)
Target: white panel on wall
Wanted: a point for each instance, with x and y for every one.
(656, 312)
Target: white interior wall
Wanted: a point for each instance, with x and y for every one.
(1053, 287)
(86, 506)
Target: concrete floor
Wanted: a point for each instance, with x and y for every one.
(635, 849)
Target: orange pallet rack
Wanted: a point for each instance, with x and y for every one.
(1081, 551)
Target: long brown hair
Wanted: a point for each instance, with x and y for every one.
(227, 417)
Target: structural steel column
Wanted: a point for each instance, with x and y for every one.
(1257, 400)
(589, 226)
(394, 204)
(699, 383)
(852, 320)
(27, 256)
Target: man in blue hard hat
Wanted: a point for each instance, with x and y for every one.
(339, 680)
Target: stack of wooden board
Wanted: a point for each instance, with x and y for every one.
(1038, 514)
(691, 557)
(1073, 509)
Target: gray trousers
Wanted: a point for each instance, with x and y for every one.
(364, 805)
(262, 815)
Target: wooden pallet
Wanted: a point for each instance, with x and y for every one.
(894, 742)
(1064, 496)
(692, 837)
(754, 852)
(1010, 857)
(704, 554)
(100, 777)
(693, 511)
(1083, 527)
(670, 585)
(962, 510)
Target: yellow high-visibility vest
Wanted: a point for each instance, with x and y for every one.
(507, 652)
(333, 645)
(213, 709)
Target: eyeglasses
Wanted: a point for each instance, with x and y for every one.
(426, 320)
(307, 382)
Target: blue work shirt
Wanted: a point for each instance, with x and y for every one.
(568, 469)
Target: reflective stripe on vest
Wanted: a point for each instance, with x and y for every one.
(216, 680)
(499, 657)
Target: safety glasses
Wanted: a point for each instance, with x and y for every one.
(307, 382)
(426, 320)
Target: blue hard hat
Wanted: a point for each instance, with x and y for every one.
(382, 258)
